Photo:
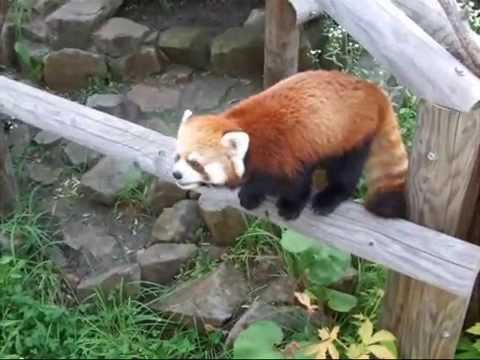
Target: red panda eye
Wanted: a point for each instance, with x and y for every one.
(195, 164)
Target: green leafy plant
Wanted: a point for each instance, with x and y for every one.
(469, 345)
(319, 267)
(32, 65)
(259, 341)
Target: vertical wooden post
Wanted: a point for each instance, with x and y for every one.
(442, 193)
(282, 41)
(8, 188)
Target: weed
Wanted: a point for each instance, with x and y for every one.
(469, 345)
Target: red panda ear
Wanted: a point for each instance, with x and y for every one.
(186, 116)
(238, 142)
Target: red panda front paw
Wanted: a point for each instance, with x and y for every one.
(250, 201)
(288, 210)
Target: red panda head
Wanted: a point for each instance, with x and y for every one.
(210, 150)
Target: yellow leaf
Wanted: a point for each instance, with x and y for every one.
(319, 350)
(381, 352)
(365, 331)
(306, 301)
(324, 333)
(381, 336)
(357, 351)
(334, 333)
(332, 350)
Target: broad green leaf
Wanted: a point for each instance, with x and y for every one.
(392, 347)
(258, 341)
(340, 301)
(355, 351)
(382, 336)
(22, 53)
(365, 331)
(474, 330)
(295, 243)
(381, 352)
(328, 265)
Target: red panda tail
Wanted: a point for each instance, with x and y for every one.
(386, 169)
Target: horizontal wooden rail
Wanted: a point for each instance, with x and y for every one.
(421, 253)
(403, 47)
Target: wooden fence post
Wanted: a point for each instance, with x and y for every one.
(282, 41)
(442, 193)
(8, 188)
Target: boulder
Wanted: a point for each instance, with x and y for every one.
(119, 37)
(256, 19)
(19, 139)
(71, 25)
(137, 65)
(108, 178)
(47, 138)
(212, 299)
(93, 241)
(154, 99)
(206, 92)
(163, 194)
(43, 174)
(161, 262)
(7, 43)
(116, 105)
(177, 74)
(238, 52)
(72, 69)
(225, 225)
(186, 45)
(79, 155)
(178, 224)
(127, 276)
(45, 7)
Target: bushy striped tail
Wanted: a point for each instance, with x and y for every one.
(386, 170)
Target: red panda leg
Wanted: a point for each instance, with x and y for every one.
(343, 175)
(294, 197)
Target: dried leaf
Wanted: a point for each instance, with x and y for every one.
(318, 350)
(291, 349)
(332, 350)
(305, 300)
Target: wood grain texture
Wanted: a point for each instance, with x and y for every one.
(418, 252)
(443, 189)
(406, 50)
(8, 186)
(282, 40)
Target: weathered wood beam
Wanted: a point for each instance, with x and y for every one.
(424, 254)
(282, 41)
(403, 47)
(443, 188)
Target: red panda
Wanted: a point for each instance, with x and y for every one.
(271, 143)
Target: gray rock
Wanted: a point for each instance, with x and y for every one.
(110, 176)
(127, 276)
(160, 263)
(79, 155)
(163, 194)
(45, 7)
(177, 74)
(47, 138)
(225, 225)
(116, 105)
(256, 19)
(161, 125)
(19, 139)
(186, 45)
(72, 69)
(238, 52)
(35, 30)
(206, 92)
(91, 240)
(43, 173)
(153, 99)
(72, 24)
(212, 299)
(178, 224)
(137, 65)
(213, 252)
(290, 318)
(279, 291)
(151, 39)
(119, 37)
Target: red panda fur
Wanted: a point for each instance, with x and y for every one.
(313, 116)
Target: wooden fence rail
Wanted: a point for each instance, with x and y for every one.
(421, 253)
